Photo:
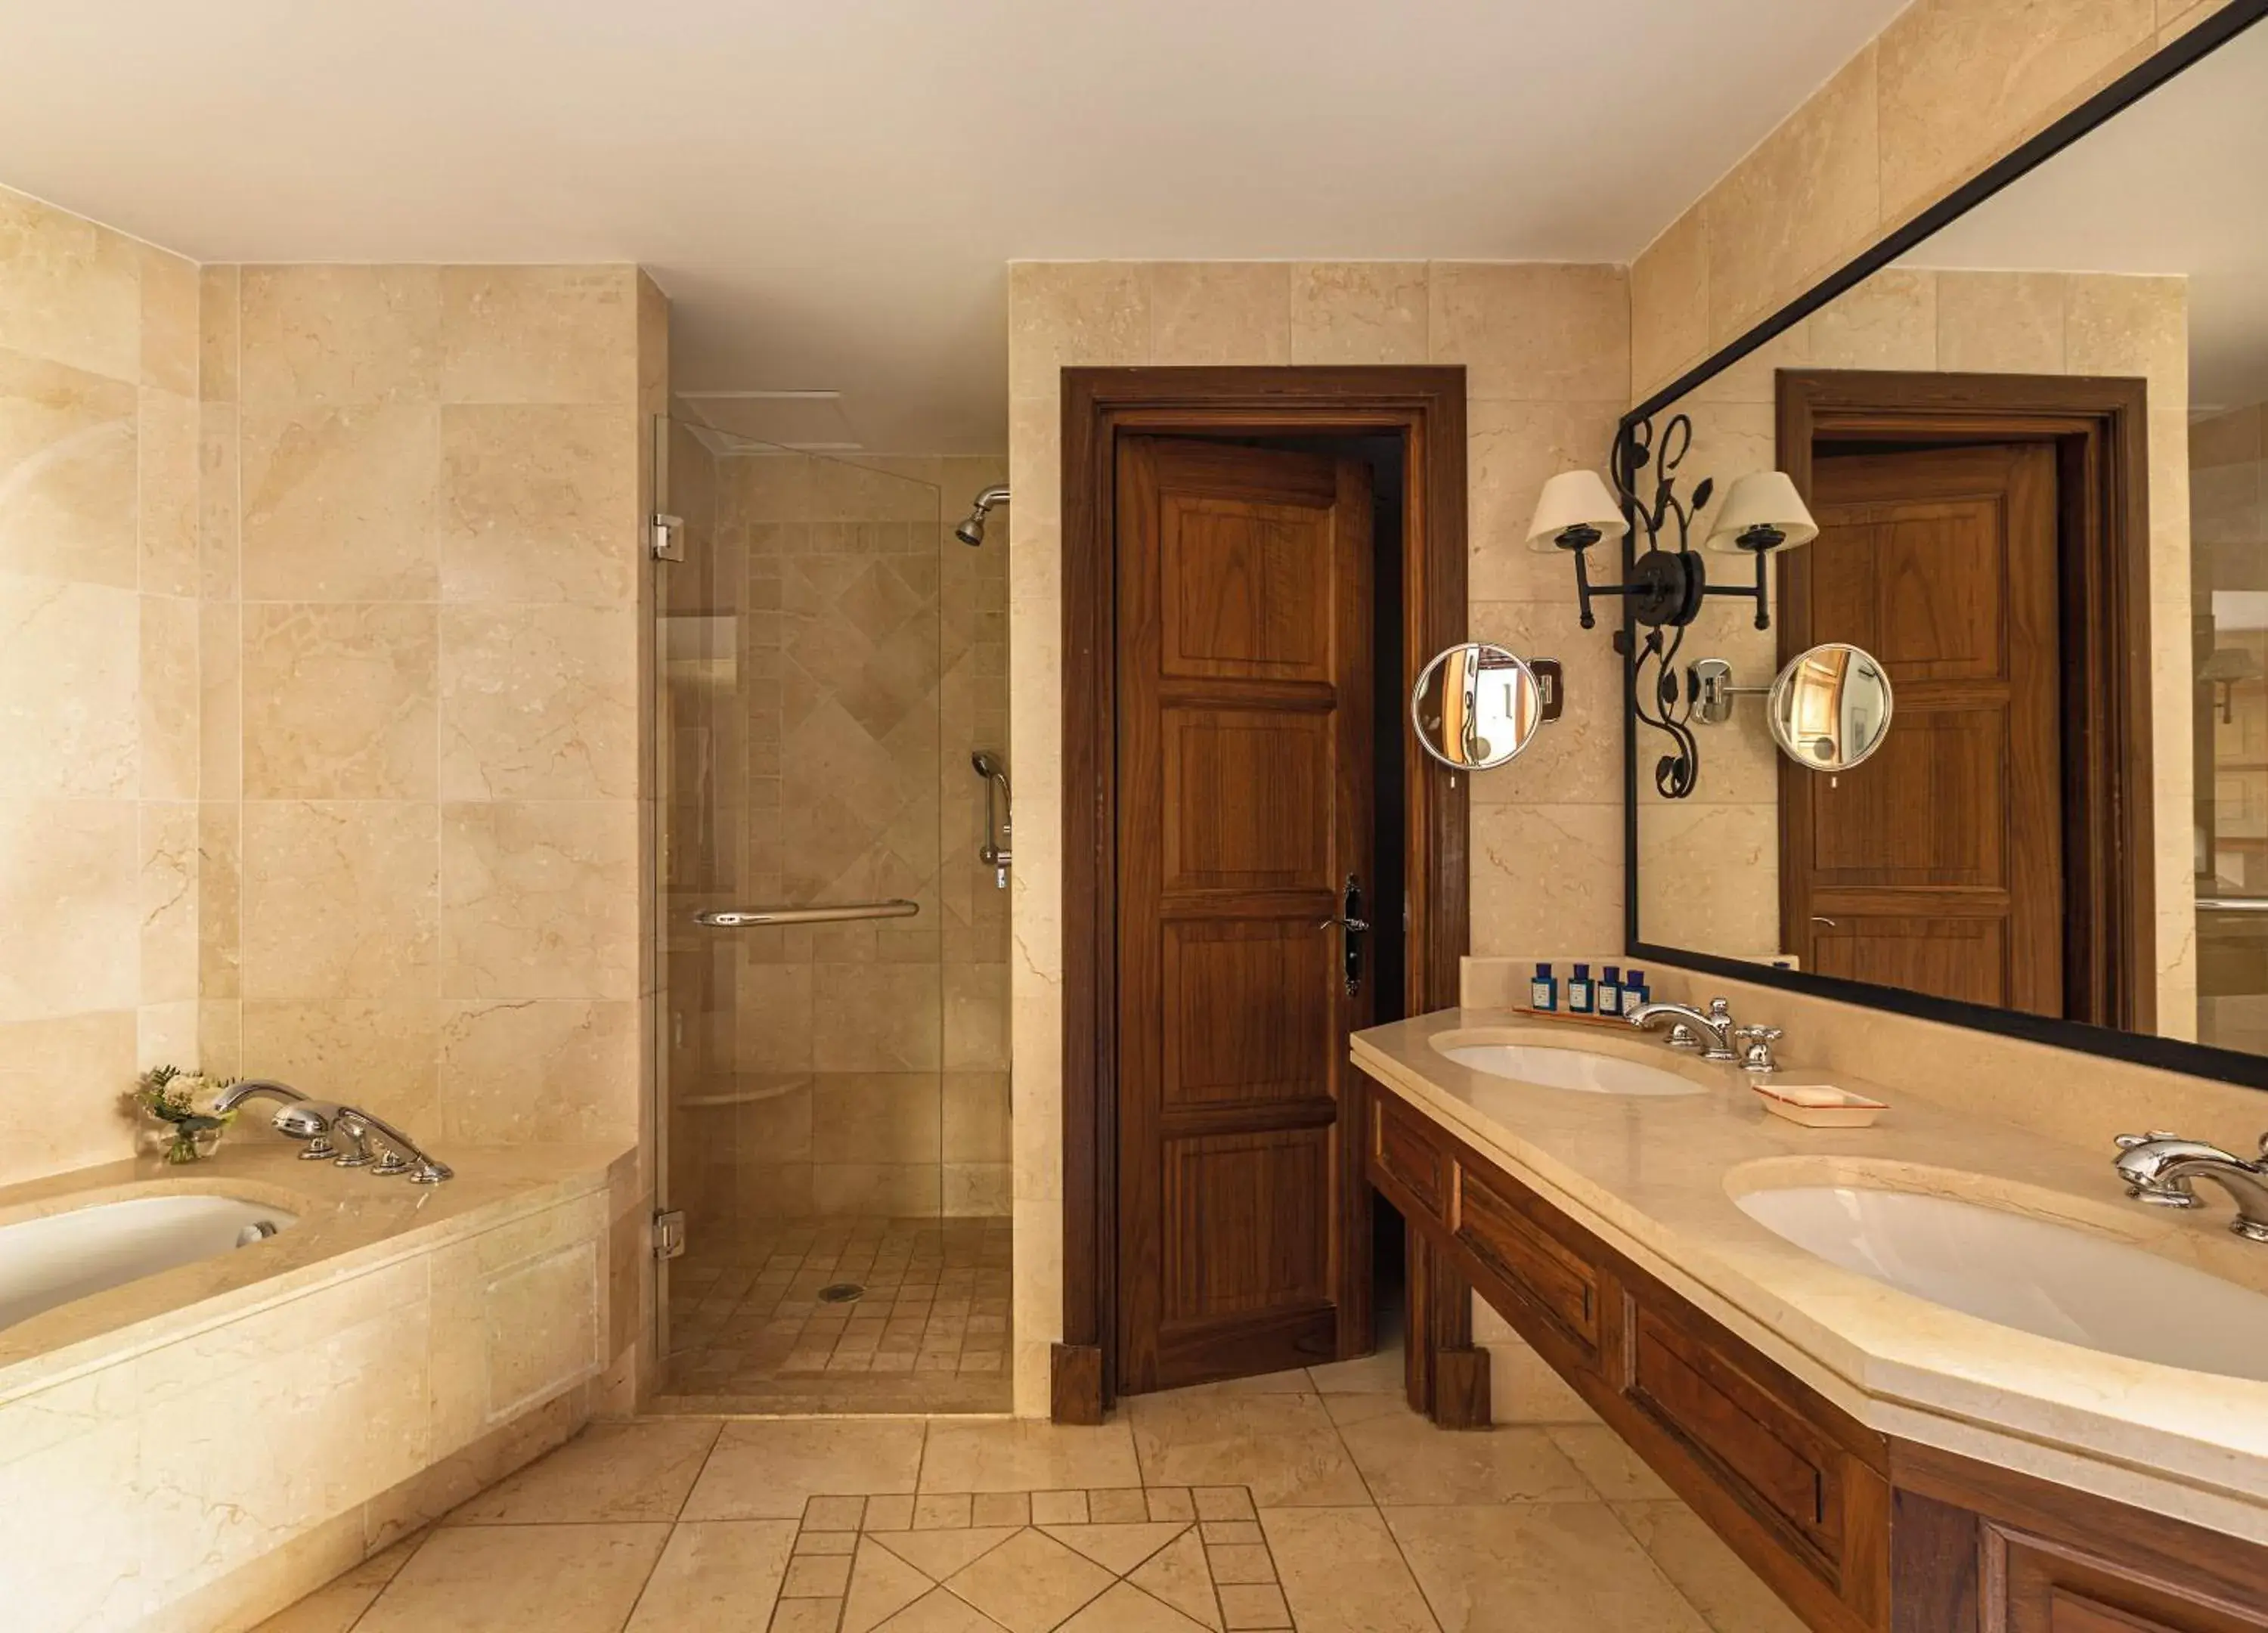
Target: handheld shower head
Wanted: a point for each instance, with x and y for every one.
(970, 530)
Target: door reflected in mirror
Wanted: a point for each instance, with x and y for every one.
(1831, 706)
(1476, 706)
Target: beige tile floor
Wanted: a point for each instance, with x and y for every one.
(748, 1332)
(1310, 1500)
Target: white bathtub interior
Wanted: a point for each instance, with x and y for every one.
(48, 1262)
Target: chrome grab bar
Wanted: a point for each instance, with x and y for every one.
(2233, 904)
(742, 918)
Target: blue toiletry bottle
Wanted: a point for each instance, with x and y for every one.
(1636, 993)
(1609, 998)
(1578, 990)
(1544, 990)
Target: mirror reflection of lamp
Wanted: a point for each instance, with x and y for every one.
(1762, 513)
(2226, 669)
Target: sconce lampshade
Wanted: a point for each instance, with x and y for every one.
(1575, 499)
(1766, 500)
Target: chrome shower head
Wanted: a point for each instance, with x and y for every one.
(970, 530)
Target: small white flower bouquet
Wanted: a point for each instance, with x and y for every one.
(184, 1101)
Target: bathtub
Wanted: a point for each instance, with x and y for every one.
(52, 1261)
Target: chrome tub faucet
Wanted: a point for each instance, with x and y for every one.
(314, 1122)
(2162, 1168)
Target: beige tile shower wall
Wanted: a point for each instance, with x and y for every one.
(857, 1069)
(1546, 350)
(98, 695)
(420, 566)
(1709, 864)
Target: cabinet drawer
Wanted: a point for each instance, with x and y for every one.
(1769, 1457)
(1409, 1151)
(1551, 1277)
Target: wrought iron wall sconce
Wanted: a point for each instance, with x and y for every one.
(1665, 584)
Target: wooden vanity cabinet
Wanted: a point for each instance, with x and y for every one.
(1854, 1530)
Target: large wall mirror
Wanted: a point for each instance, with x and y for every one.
(2032, 437)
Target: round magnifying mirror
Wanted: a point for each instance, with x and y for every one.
(1476, 706)
(1831, 706)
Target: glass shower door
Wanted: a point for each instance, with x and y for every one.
(801, 653)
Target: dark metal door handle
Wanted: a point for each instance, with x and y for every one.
(1352, 927)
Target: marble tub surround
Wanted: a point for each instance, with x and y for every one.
(1656, 1180)
(212, 1442)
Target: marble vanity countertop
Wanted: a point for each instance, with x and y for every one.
(1656, 1178)
(348, 1221)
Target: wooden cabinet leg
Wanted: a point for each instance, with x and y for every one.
(1445, 1375)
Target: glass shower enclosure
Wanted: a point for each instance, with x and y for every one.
(833, 1041)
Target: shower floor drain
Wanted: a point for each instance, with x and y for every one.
(841, 1292)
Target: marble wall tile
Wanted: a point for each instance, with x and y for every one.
(1533, 332)
(1359, 312)
(339, 502)
(2177, 17)
(896, 1190)
(2120, 325)
(1806, 199)
(219, 294)
(539, 501)
(1091, 313)
(69, 462)
(537, 702)
(526, 1069)
(220, 715)
(976, 1017)
(975, 1190)
(1889, 321)
(877, 1017)
(560, 334)
(1577, 757)
(70, 289)
(876, 1117)
(169, 947)
(1221, 312)
(1965, 80)
(381, 1054)
(170, 543)
(70, 889)
(340, 899)
(1725, 860)
(220, 874)
(170, 331)
(60, 1078)
(2000, 322)
(168, 734)
(2237, 438)
(540, 900)
(217, 501)
(70, 704)
(1669, 304)
(975, 1123)
(1511, 449)
(338, 336)
(1546, 875)
(339, 702)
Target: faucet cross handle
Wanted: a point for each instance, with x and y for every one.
(1756, 1057)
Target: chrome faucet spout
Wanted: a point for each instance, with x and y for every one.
(2161, 1169)
(255, 1088)
(1691, 1026)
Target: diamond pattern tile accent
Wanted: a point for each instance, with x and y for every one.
(1031, 1583)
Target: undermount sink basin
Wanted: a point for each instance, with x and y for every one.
(1569, 1069)
(2027, 1273)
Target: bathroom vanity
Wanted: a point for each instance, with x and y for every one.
(1884, 1460)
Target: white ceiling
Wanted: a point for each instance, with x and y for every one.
(828, 190)
(2173, 185)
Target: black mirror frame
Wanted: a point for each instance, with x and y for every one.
(2196, 1060)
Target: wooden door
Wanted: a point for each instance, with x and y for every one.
(1244, 740)
(1937, 866)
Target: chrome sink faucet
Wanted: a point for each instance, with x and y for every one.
(312, 1122)
(2160, 1168)
(1691, 1026)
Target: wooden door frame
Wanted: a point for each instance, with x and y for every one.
(1426, 408)
(2099, 429)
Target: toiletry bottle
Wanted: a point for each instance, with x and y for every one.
(1543, 991)
(1636, 993)
(1608, 1000)
(1578, 990)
